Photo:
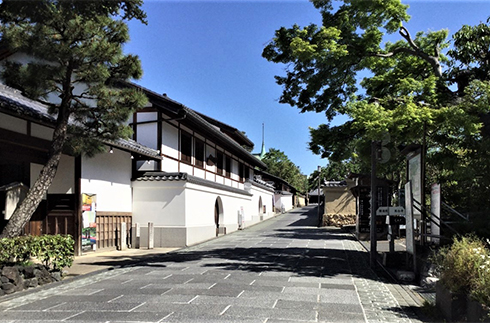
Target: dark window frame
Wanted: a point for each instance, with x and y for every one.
(228, 166)
(199, 152)
(241, 172)
(185, 147)
(219, 163)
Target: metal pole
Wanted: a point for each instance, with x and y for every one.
(372, 231)
(318, 209)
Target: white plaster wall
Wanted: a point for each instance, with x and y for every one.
(267, 197)
(41, 132)
(211, 176)
(64, 181)
(13, 124)
(227, 181)
(220, 179)
(162, 203)
(200, 202)
(185, 168)
(198, 172)
(287, 202)
(170, 165)
(109, 176)
(170, 141)
(147, 116)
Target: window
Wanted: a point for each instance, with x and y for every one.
(185, 147)
(228, 166)
(241, 172)
(247, 172)
(199, 152)
(219, 162)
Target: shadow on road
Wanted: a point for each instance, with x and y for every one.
(316, 261)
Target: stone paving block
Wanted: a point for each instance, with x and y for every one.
(38, 316)
(251, 302)
(158, 299)
(337, 286)
(183, 317)
(290, 321)
(275, 296)
(287, 304)
(305, 290)
(93, 306)
(192, 310)
(176, 278)
(216, 292)
(338, 296)
(253, 287)
(94, 316)
(340, 316)
(241, 311)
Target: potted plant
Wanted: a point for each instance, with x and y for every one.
(463, 290)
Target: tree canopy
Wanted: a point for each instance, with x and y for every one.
(76, 58)
(424, 88)
(278, 164)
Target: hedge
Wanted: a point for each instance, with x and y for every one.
(54, 251)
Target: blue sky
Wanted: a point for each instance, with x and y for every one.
(207, 55)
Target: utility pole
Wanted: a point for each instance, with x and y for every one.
(318, 209)
(374, 200)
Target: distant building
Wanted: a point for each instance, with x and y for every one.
(340, 203)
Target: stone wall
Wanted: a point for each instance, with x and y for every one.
(17, 278)
(339, 220)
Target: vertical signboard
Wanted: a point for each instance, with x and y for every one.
(435, 208)
(410, 241)
(415, 177)
(89, 240)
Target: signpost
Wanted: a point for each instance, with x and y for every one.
(393, 218)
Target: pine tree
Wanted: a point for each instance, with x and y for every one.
(77, 58)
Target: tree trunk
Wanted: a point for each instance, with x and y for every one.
(28, 206)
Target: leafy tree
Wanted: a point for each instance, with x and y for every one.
(76, 50)
(278, 164)
(415, 89)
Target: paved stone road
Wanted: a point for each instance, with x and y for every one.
(282, 270)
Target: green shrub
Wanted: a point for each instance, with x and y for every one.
(54, 251)
(464, 267)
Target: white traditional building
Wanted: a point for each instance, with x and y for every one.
(189, 175)
(204, 185)
(193, 182)
(25, 135)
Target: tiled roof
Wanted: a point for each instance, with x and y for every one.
(335, 184)
(195, 119)
(164, 176)
(229, 130)
(132, 146)
(10, 186)
(13, 101)
(263, 183)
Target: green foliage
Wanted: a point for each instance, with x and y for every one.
(55, 251)
(464, 267)
(78, 59)
(278, 164)
(405, 88)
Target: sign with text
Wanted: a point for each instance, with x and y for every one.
(390, 210)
